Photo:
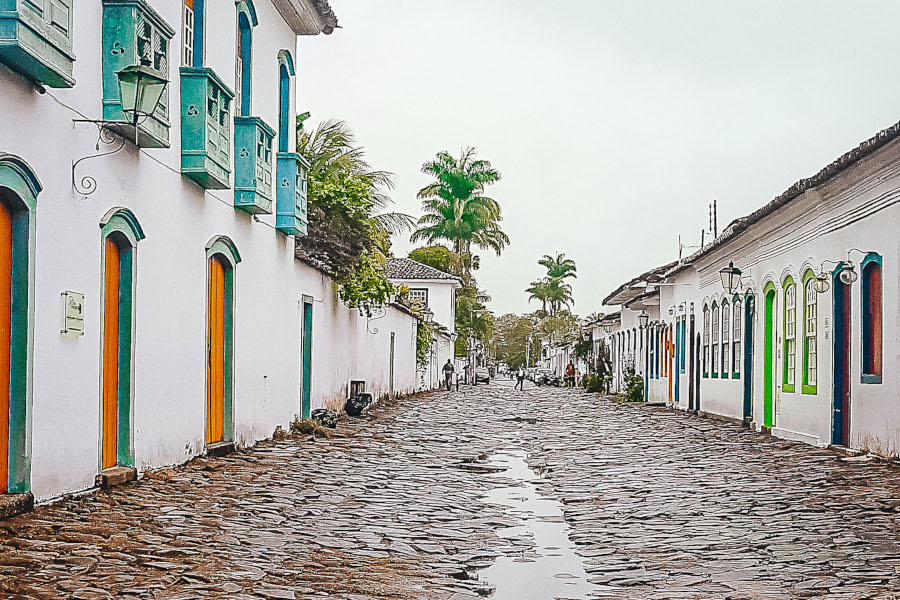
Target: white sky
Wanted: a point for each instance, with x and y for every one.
(614, 124)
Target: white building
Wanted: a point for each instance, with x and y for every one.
(435, 290)
(805, 344)
(154, 308)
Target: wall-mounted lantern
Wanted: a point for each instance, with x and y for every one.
(848, 273)
(140, 89)
(731, 278)
(643, 319)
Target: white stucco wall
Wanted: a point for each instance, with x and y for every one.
(179, 218)
(856, 210)
(441, 298)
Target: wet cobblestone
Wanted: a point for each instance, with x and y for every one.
(660, 505)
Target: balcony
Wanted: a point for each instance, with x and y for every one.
(133, 31)
(205, 128)
(36, 40)
(290, 201)
(253, 165)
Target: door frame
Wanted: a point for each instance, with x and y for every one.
(222, 248)
(19, 188)
(306, 356)
(842, 348)
(122, 227)
(770, 346)
(749, 313)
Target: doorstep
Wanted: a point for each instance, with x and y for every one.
(15, 504)
(845, 450)
(115, 476)
(219, 448)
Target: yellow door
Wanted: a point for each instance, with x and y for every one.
(215, 371)
(5, 327)
(111, 354)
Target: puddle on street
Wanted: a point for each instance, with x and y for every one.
(551, 570)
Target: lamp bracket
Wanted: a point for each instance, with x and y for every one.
(108, 136)
(373, 314)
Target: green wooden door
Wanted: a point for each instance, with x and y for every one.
(769, 376)
(307, 360)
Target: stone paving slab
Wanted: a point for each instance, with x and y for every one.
(660, 504)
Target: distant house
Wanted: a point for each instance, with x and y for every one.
(436, 291)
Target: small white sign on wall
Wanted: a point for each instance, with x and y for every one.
(73, 314)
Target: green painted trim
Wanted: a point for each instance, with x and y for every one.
(19, 177)
(806, 387)
(125, 391)
(785, 285)
(246, 6)
(228, 396)
(306, 390)
(19, 186)
(122, 220)
(285, 58)
(770, 295)
(871, 257)
(735, 302)
(223, 245)
(122, 223)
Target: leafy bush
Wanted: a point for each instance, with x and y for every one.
(634, 386)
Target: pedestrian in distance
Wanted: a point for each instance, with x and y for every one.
(570, 375)
(448, 374)
(520, 379)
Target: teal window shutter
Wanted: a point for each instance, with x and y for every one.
(36, 40)
(132, 32)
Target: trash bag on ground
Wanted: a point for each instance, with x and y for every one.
(357, 405)
(324, 417)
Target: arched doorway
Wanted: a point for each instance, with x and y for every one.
(222, 258)
(120, 234)
(19, 189)
(769, 359)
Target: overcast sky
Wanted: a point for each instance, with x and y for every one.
(614, 124)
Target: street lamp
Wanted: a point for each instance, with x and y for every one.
(731, 278)
(643, 318)
(427, 315)
(140, 89)
(848, 273)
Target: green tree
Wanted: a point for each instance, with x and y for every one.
(349, 235)
(456, 209)
(558, 267)
(438, 256)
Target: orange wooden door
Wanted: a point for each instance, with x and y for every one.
(111, 355)
(5, 331)
(215, 370)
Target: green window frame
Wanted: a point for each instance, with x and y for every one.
(789, 321)
(726, 338)
(810, 333)
(872, 317)
(705, 341)
(736, 316)
(714, 336)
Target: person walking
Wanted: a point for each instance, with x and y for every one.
(520, 379)
(448, 374)
(570, 375)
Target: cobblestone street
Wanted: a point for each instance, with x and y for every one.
(658, 505)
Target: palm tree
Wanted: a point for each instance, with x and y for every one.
(558, 267)
(559, 295)
(539, 290)
(334, 157)
(456, 208)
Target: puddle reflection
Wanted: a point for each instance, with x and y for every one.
(550, 570)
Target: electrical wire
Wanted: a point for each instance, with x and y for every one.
(227, 203)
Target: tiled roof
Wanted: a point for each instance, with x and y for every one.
(738, 226)
(407, 268)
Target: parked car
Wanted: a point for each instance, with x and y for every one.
(547, 377)
(482, 374)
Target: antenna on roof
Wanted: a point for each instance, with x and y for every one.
(715, 221)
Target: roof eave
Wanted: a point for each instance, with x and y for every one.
(307, 17)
